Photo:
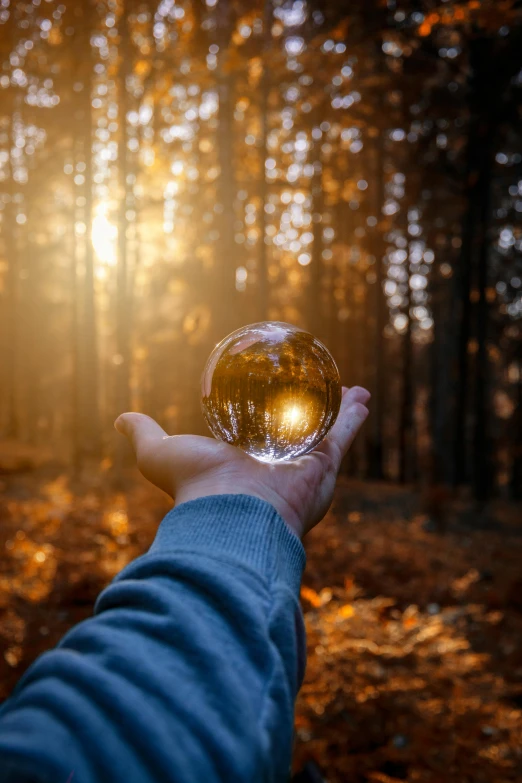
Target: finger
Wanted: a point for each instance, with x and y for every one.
(141, 430)
(357, 394)
(146, 436)
(352, 416)
(147, 439)
(343, 433)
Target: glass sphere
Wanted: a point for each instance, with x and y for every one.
(272, 390)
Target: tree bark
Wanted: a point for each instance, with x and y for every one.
(485, 93)
(406, 411)
(122, 310)
(484, 104)
(375, 442)
(262, 272)
(314, 305)
(516, 466)
(440, 470)
(482, 462)
(462, 314)
(226, 249)
(75, 347)
(12, 295)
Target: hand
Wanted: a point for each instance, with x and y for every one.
(187, 467)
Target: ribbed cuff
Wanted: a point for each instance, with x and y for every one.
(239, 527)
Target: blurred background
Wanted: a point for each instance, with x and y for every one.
(172, 170)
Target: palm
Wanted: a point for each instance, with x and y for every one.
(306, 483)
(189, 466)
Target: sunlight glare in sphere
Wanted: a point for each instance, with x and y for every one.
(293, 414)
(272, 390)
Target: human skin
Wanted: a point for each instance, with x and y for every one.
(188, 467)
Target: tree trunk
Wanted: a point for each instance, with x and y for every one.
(482, 463)
(462, 315)
(225, 291)
(440, 468)
(33, 333)
(122, 324)
(483, 105)
(89, 411)
(262, 272)
(406, 411)
(362, 353)
(9, 228)
(314, 305)
(516, 467)
(375, 443)
(75, 347)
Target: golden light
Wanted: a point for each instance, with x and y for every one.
(104, 237)
(292, 415)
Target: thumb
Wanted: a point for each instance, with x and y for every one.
(352, 416)
(148, 440)
(141, 430)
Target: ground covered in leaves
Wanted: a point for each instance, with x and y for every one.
(414, 635)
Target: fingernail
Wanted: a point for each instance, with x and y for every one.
(120, 425)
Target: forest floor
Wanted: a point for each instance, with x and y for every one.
(414, 628)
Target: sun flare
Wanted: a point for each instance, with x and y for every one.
(104, 237)
(293, 414)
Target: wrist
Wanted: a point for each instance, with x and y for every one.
(206, 487)
(234, 528)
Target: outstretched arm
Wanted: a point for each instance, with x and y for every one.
(189, 669)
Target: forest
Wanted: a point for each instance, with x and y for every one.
(171, 170)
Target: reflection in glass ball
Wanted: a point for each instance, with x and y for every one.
(272, 390)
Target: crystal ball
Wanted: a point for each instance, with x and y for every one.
(272, 390)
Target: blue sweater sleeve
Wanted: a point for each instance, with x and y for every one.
(189, 669)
